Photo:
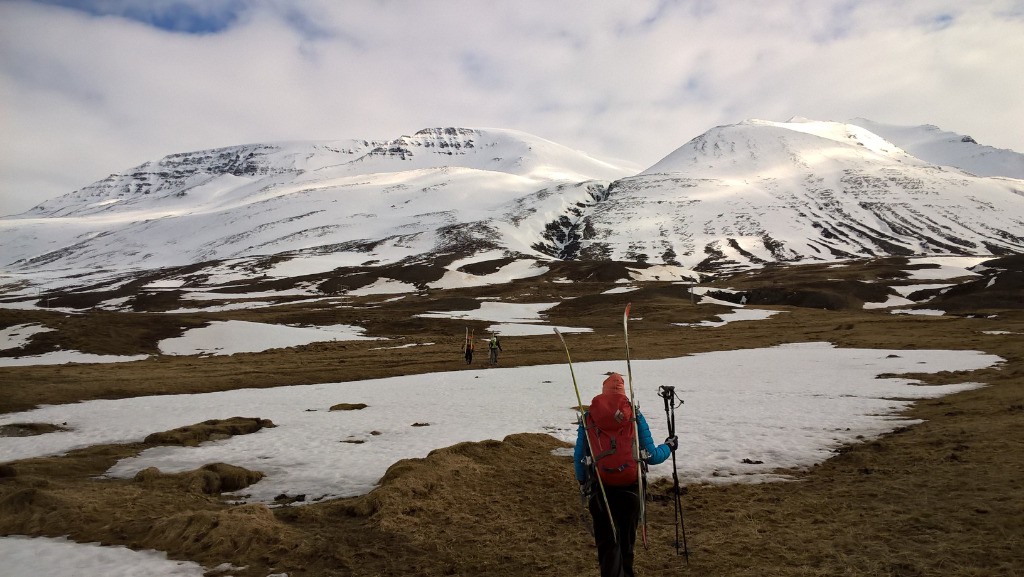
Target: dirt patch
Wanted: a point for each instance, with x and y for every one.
(1001, 287)
(349, 407)
(594, 271)
(836, 295)
(486, 267)
(99, 332)
(30, 429)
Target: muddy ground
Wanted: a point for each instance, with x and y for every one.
(945, 497)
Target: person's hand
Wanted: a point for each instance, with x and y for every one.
(672, 442)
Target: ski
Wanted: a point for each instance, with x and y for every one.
(590, 448)
(467, 347)
(636, 431)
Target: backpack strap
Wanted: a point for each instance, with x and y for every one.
(605, 453)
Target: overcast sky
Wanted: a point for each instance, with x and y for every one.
(94, 87)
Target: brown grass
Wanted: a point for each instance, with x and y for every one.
(944, 497)
(211, 430)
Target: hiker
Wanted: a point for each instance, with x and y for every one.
(615, 558)
(495, 345)
(469, 352)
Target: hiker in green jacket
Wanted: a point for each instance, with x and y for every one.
(494, 345)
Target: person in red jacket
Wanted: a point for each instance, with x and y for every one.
(615, 555)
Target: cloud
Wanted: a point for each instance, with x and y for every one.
(92, 88)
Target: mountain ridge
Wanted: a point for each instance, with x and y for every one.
(950, 149)
(497, 150)
(738, 196)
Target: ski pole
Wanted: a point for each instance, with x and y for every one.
(668, 394)
(590, 447)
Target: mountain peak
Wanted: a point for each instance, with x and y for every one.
(759, 145)
(449, 131)
(437, 141)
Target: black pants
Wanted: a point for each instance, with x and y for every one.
(615, 558)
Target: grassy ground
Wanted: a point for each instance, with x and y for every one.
(944, 497)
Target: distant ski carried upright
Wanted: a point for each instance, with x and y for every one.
(636, 446)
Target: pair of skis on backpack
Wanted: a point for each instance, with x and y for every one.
(625, 469)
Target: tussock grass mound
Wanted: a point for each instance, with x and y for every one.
(31, 501)
(487, 508)
(180, 513)
(209, 479)
(211, 430)
(242, 532)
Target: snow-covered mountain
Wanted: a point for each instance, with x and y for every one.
(737, 196)
(229, 177)
(937, 146)
(759, 192)
(360, 202)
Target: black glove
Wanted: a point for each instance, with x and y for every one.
(585, 488)
(672, 442)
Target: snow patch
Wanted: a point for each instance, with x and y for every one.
(230, 337)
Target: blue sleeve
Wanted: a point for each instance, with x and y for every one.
(580, 454)
(657, 453)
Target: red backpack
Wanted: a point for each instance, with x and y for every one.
(612, 432)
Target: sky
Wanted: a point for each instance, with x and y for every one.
(94, 87)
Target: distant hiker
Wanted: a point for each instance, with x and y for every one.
(611, 417)
(469, 345)
(743, 300)
(494, 345)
